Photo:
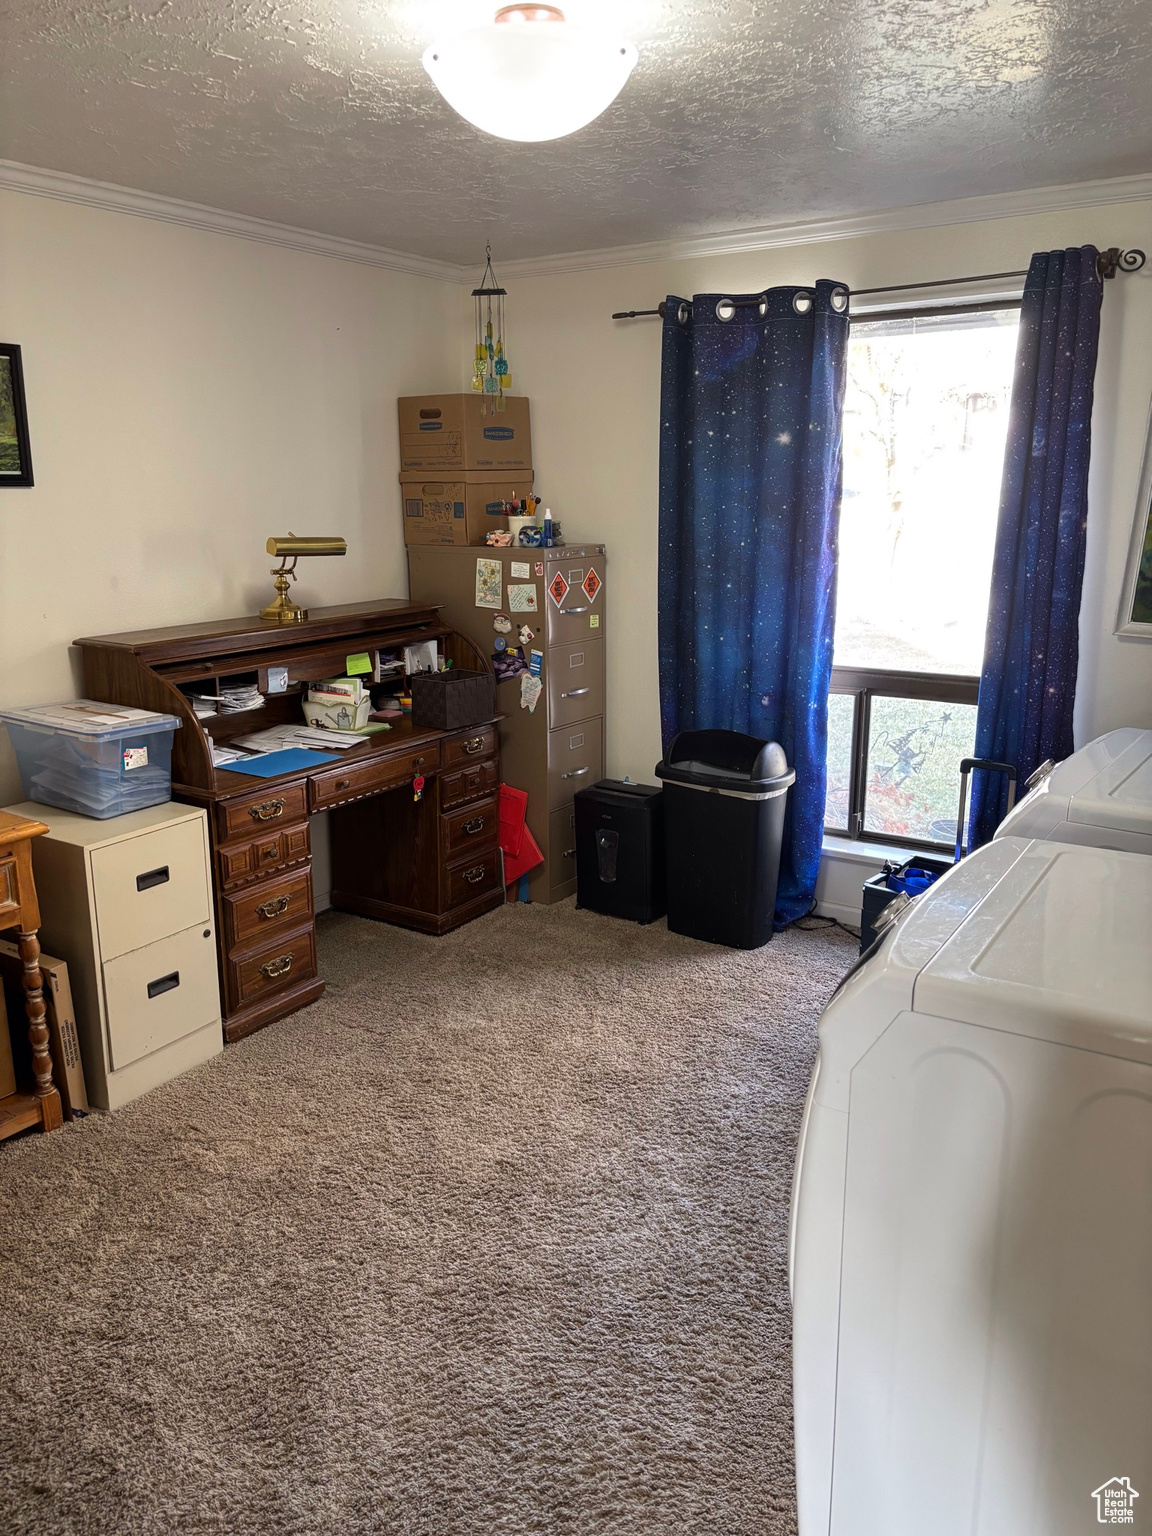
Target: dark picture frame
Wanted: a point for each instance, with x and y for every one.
(15, 451)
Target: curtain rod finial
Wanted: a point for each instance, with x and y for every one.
(1114, 260)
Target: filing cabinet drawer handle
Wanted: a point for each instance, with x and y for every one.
(474, 745)
(474, 826)
(584, 609)
(275, 908)
(569, 853)
(164, 984)
(267, 810)
(152, 877)
(574, 693)
(575, 774)
(474, 876)
(274, 968)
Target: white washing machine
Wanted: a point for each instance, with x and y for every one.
(1101, 795)
(971, 1259)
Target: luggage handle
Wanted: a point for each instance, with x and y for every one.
(990, 766)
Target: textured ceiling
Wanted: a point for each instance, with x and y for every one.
(317, 113)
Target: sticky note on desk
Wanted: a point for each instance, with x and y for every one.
(354, 666)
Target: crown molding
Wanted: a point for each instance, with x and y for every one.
(968, 210)
(170, 210)
(37, 182)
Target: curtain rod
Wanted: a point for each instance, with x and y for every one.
(1108, 263)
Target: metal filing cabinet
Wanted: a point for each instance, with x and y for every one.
(559, 748)
(127, 903)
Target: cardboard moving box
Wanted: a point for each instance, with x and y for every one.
(63, 1037)
(454, 434)
(461, 510)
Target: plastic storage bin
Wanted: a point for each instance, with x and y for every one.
(96, 759)
(620, 850)
(724, 799)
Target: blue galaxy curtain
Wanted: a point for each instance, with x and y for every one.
(750, 470)
(1028, 682)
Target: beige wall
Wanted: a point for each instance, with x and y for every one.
(190, 393)
(595, 390)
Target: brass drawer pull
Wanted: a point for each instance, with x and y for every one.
(271, 853)
(574, 693)
(343, 783)
(474, 876)
(274, 968)
(267, 810)
(417, 762)
(475, 825)
(575, 774)
(476, 744)
(275, 908)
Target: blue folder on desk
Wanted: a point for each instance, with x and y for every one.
(290, 760)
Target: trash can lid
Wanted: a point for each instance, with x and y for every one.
(727, 760)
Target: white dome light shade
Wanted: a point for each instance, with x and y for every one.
(531, 75)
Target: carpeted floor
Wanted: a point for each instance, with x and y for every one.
(489, 1241)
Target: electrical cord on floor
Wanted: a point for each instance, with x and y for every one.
(814, 924)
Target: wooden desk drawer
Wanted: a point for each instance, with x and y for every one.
(251, 812)
(268, 906)
(470, 746)
(467, 784)
(160, 993)
(244, 861)
(575, 760)
(477, 874)
(149, 887)
(286, 959)
(475, 826)
(369, 778)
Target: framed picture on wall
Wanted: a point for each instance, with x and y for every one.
(15, 454)
(1136, 607)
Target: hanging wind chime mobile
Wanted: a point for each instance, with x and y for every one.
(490, 373)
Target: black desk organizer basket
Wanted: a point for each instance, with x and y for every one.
(449, 701)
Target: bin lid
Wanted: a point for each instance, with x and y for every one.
(727, 760)
(88, 718)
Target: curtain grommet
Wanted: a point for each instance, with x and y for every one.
(684, 313)
(801, 302)
(839, 300)
(762, 307)
(725, 310)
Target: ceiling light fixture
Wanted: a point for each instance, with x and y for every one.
(530, 75)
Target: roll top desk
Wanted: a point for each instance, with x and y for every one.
(429, 864)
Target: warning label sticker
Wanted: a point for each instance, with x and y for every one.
(592, 585)
(558, 588)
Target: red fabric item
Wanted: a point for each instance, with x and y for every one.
(521, 851)
(513, 809)
(518, 864)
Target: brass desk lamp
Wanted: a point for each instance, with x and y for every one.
(289, 550)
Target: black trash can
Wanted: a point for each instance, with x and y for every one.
(724, 800)
(620, 850)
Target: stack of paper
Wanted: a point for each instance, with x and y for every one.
(281, 736)
(239, 697)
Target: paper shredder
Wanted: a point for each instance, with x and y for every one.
(724, 800)
(620, 850)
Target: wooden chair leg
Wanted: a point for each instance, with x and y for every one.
(51, 1114)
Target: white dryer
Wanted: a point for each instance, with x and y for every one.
(1101, 795)
(971, 1259)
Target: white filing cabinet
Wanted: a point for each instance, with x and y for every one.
(127, 903)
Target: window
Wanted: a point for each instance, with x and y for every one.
(925, 420)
